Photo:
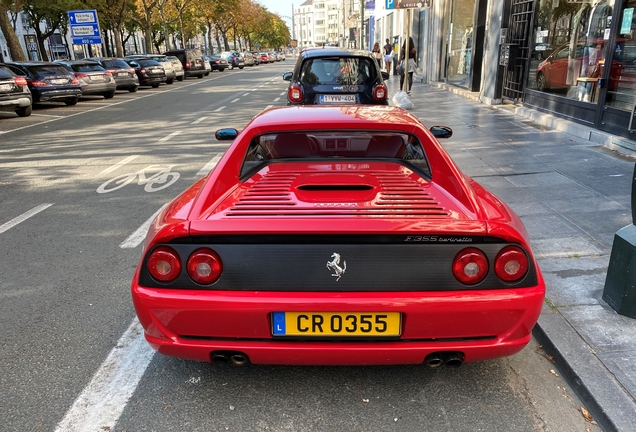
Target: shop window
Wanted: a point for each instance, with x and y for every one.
(569, 47)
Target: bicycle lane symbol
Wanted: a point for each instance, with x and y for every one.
(156, 182)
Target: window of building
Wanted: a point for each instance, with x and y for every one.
(569, 47)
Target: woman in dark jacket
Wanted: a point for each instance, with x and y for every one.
(411, 63)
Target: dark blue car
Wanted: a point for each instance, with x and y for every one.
(234, 59)
(48, 82)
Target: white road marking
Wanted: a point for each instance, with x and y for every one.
(269, 106)
(219, 109)
(119, 164)
(197, 121)
(47, 115)
(138, 236)
(101, 403)
(246, 94)
(277, 99)
(475, 148)
(254, 89)
(283, 93)
(172, 135)
(24, 216)
(210, 165)
(235, 100)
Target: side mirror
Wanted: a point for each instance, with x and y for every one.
(441, 132)
(228, 134)
(287, 76)
(385, 75)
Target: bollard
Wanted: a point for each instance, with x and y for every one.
(620, 284)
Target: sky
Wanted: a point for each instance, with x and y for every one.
(281, 7)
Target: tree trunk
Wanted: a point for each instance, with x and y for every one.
(13, 43)
(119, 46)
(40, 38)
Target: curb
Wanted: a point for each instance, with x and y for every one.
(595, 385)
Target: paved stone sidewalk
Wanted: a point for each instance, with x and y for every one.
(573, 195)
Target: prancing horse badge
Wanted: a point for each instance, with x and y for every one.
(334, 265)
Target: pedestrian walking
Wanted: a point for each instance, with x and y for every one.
(377, 53)
(388, 56)
(411, 64)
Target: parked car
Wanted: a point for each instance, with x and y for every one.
(379, 250)
(272, 57)
(192, 61)
(208, 66)
(178, 67)
(14, 93)
(150, 72)
(257, 58)
(234, 59)
(94, 79)
(124, 75)
(217, 63)
(336, 76)
(48, 82)
(265, 58)
(248, 57)
(166, 63)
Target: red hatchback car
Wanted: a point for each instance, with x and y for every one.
(346, 236)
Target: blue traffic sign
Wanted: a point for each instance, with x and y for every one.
(84, 27)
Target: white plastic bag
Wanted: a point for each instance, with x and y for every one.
(401, 99)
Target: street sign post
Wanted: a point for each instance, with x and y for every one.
(84, 27)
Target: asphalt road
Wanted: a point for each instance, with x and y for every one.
(72, 358)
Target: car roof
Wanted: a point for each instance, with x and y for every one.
(32, 63)
(333, 52)
(327, 117)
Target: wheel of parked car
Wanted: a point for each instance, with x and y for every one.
(109, 95)
(180, 78)
(24, 111)
(241, 67)
(132, 89)
(155, 85)
(199, 76)
(541, 84)
(207, 73)
(231, 66)
(170, 81)
(70, 102)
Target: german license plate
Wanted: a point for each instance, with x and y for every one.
(340, 324)
(96, 77)
(122, 74)
(5, 87)
(59, 81)
(339, 99)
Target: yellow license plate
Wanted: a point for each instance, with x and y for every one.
(336, 323)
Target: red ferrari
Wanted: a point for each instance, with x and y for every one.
(337, 235)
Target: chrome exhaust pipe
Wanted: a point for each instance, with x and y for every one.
(453, 359)
(238, 359)
(434, 360)
(220, 359)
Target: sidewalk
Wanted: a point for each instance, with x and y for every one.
(573, 193)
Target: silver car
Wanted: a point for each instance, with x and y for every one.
(165, 62)
(94, 79)
(178, 67)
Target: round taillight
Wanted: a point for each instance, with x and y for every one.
(379, 92)
(20, 81)
(164, 264)
(470, 266)
(204, 266)
(142, 71)
(511, 264)
(295, 93)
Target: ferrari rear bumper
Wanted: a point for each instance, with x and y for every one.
(480, 324)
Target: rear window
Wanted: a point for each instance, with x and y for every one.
(115, 64)
(47, 70)
(87, 67)
(338, 71)
(335, 146)
(5, 72)
(146, 63)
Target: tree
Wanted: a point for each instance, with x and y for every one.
(13, 43)
(113, 12)
(54, 14)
